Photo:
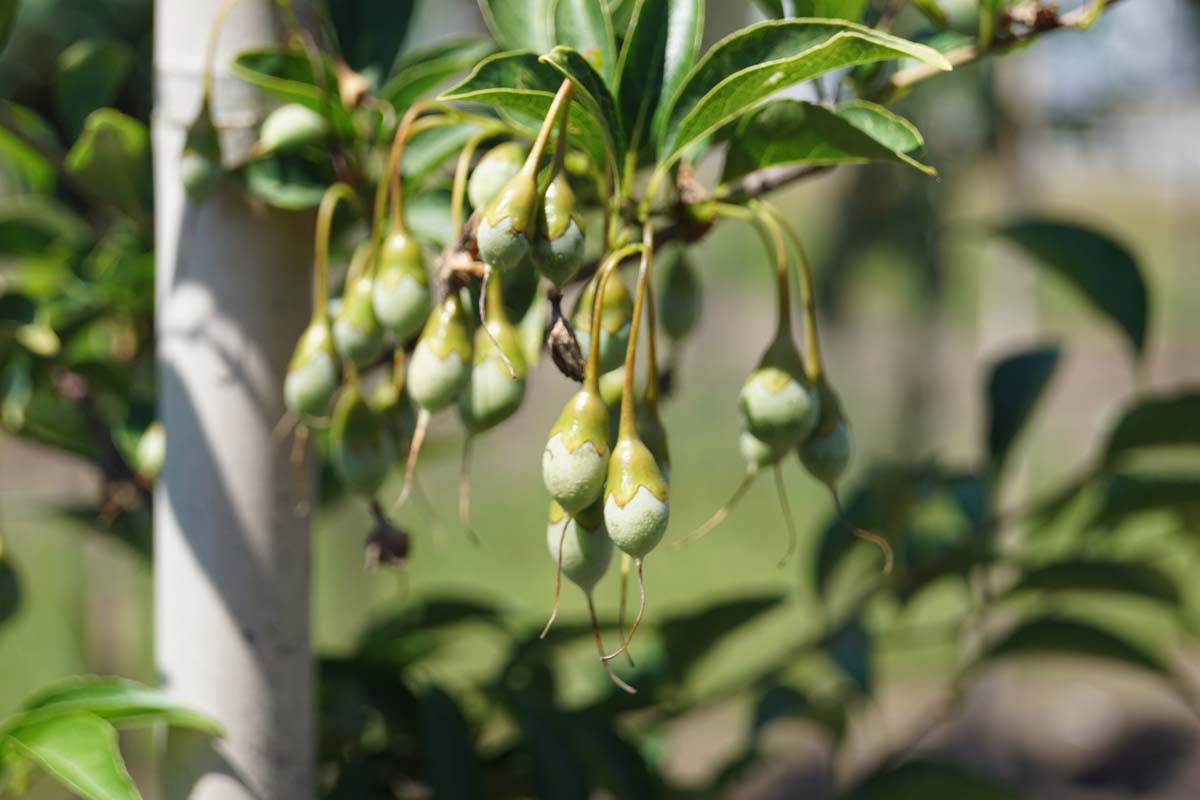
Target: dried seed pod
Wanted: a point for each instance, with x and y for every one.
(401, 295)
(497, 167)
(361, 449)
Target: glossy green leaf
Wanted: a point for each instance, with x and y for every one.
(89, 75)
(1126, 496)
(930, 780)
(787, 132)
(621, 13)
(287, 74)
(584, 25)
(687, 638)
(851, 10)
(112, 159)
(1015, 386)
(121, 702)
(428, 150)
(451, 768)
(286, 181)
(370, 33)
(1162, 421)
(661, 46)
(79, 751)
(1094, 575)
(592, 93)
(1059, 636)
(749, 66)
(25, 169)
(1104, 271)
(521, 87)
(418, 74)
(519, 24)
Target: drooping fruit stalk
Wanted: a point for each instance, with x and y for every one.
(615, 320)
(313, 375)
(494, 393)
(636, 496)
(201, 165)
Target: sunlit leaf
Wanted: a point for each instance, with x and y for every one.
(121, 702)
(1094, 575)
(749, 66)
(1015, 386)
(1103, 270)
(584, 25)
(112, 159)
(1059, 636)
(79, 751)
(1161, 421)
(287, 181)
(90, 74)
(592, 93)
(286, 73)
(519, 24)
(421, 72)
(1126, 496)
(428, 150)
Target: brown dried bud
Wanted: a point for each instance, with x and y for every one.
(564, 347)
(386, 545)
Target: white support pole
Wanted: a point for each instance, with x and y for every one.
(231, 561)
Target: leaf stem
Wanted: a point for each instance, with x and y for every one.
(329, 202)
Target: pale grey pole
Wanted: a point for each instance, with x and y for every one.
(231, 560)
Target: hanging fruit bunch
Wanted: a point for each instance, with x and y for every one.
(567, 169)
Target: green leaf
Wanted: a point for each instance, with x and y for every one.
(428, 215)
(558, 769)
(79, 751)
(10, 589)
(1014, 387)
(121, 702)
(8, 16)
(1094, 575)
(1126, 496)
(287, 181)
(662, 45)
(1102, 269)
(421, 72)
(1163, 421)
(287, 73)
(519, 24)
(451, 768)
(850, 649)
(746, 68)
(429, 149)
(851, 10)
(621, 13)
(370, 33)
(783, 702)
(112, 159)
(592, 93)
(90, 74)
(687, 638)
(930, 780)
(584, 25)
(786, 132)
(26, 169)
(31, 225)
(521, 87)
(1058, 636)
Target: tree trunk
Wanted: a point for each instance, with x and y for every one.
(231, 559)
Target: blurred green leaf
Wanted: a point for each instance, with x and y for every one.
(27, 146)
(370, 33)
(287, 181)
(660, 47)
(1126, 496)
(1162, 421)
(1102, 269)
(616, 764)
(451, 769)
(752, 64)
(16, 392)
(1094, 575)
(10, 589)
(687, 638)
(521, 87)
(558, 768)
(584, 26)
(1059, 636)
(850, 648)
(8, 15)
(121, 702)
(428, 216)
(287, 73)
(1015, 385)
(787, 131)
(111, 159)
(621, 13)
(593, 94)
(851, 10)
(89, 75)
(784, 702)
(519, 24)
(79, 751)
(31, 225)
(930, 780)
(421, 72)
(428, 150)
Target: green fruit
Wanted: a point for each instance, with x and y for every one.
(558, 248)
(441, 365)
(507, 225)
(616, 315)
(290, 126)
(755, 452)
(200, 165)
(497, 167)
(313, 376)
(494, 393)
(682, 299)
(361, 448)
(151, 451)
(636, 505)
(401, 295)
(586, 548)
(612, 385)
(827, 450)
(777, 405)
(575, 461)
(356, 332)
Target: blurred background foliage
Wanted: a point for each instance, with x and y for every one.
(1014, 341)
